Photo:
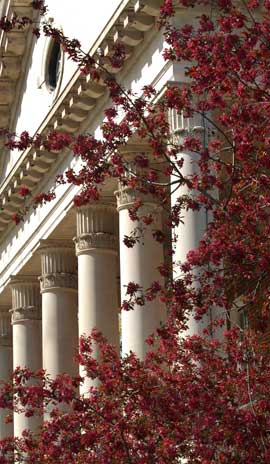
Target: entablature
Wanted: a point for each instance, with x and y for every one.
(132, 20)
(14, 48)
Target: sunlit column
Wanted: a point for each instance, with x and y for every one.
(58, 284)
(96, 248)
(6, 429)
(139, 264)
(26, 326)
(193, 224)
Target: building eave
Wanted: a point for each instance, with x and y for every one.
(128, 25)
(15, 48)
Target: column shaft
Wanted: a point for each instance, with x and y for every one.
(139, 265)
(193, 224)
(59, 307)
(26, 323)
(98, 294)
(97, 274)
(6, 429)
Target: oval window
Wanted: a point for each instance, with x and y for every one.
(53, 66)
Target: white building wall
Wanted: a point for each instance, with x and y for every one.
(85, 23)
(146, 66)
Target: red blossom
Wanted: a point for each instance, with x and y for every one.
(41, 198)
(161, 409)
(24, 191)
(16, 218)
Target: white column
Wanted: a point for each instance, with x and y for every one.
(139, 265)
(6, 429)
(96, 248)
(26, 324)
(58, 284)
(193, 223)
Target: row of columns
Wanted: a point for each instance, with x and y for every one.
(74, 295)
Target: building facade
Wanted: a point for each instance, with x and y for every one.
(64, 271)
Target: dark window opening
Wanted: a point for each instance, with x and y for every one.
(54, 65)
(244, 322)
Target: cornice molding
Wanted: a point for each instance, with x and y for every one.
(14, 46)
(128, 26)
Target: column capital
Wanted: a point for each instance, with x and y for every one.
(26, 313)
(58, 280)
(126, 197)
(58, 265)
(5, 326)
(26, 298)
(96, 228)
(181, 127)
(98, 240)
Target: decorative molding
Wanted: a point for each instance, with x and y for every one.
(55, 244)
(26, 298)
(127, 196)
(25, 292)
(128, 27)
(96, 227)
(25, 314)
(58, 280)
(187, 127)
(13, 44)
(134, 146)
(58, 265)
(57, 257)
(95, 240)
(96, 218)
